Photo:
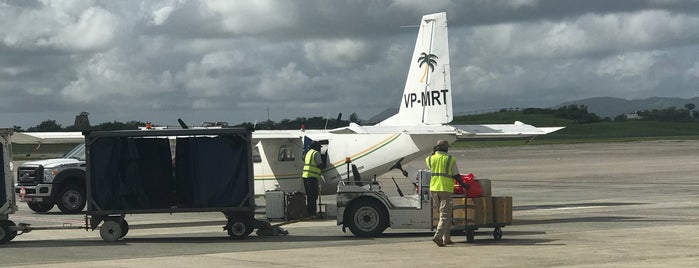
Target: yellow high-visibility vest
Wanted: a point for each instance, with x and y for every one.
(310, 167)
(441, 165)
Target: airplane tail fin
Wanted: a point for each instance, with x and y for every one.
(426, 98)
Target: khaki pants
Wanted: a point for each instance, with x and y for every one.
(444, 201)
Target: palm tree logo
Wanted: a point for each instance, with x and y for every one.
(429, 60)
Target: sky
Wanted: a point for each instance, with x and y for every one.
(247, 61)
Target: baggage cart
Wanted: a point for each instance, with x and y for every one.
(8, 230)
(169, 171)
(465, 222)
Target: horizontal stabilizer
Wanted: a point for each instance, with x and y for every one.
(516, 130)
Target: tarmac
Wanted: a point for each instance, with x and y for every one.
(632, 204)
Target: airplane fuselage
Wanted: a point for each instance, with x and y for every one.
(280, 161)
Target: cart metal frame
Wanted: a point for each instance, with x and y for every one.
(240, 218)
(470, 230)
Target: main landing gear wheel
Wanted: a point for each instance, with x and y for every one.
(111, 231)
(40, 207)
(497, 233)
(367, 219)
(5, 233)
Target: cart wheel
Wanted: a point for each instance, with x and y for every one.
(110, 231)
(5, 233)
(40, 207)
(457, 232)
(470, 236)
(124, 228)
(239, 229)
(497, 233)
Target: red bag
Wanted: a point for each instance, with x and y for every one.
(474, 189)
(458, 189)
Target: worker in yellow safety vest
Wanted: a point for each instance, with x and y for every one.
(444, 172)
(312, 171)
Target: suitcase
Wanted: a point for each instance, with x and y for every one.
(275, 205)
(296, 206)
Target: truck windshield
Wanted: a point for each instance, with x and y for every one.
(77, 153)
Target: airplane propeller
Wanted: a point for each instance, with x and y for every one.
(399, 166)
(182, 124)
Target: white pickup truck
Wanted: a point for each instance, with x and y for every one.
(60, 181)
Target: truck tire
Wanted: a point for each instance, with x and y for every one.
(71, 199)
(5, 233)
(40, 207)
(367, 218)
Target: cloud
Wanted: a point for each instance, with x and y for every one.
(287, 83)
(588, 35)
(627, 65)
(336, 53)
(107, 79)
(63, 25)
(231, 59)
(694, 71)
(212, 75)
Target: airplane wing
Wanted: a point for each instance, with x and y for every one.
(276, 134)
(516, 130)
(47, 137)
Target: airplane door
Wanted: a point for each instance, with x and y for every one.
(323, 149)
(324, 152)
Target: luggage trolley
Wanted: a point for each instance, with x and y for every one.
(137, 172)
(8, 229)
(488, 212)
(471, 214)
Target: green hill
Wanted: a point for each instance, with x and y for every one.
(576, 132)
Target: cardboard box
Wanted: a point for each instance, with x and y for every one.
(502, 209)
(473, 211)
(457, 203)
(485, 185)
(479, 211)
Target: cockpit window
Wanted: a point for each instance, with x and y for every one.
(286, 154)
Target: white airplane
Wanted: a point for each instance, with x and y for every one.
(425, 111)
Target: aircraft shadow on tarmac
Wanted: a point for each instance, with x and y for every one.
(574, 205)
(600, 219)
(484, 238)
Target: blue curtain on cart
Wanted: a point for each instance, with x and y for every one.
(131, 173)
(212, 172)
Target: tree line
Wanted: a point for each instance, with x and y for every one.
(307, 123)
(576, 113)
(53, 126)
(580, 114)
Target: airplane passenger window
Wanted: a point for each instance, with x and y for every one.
(286, 154)
(256, 158)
